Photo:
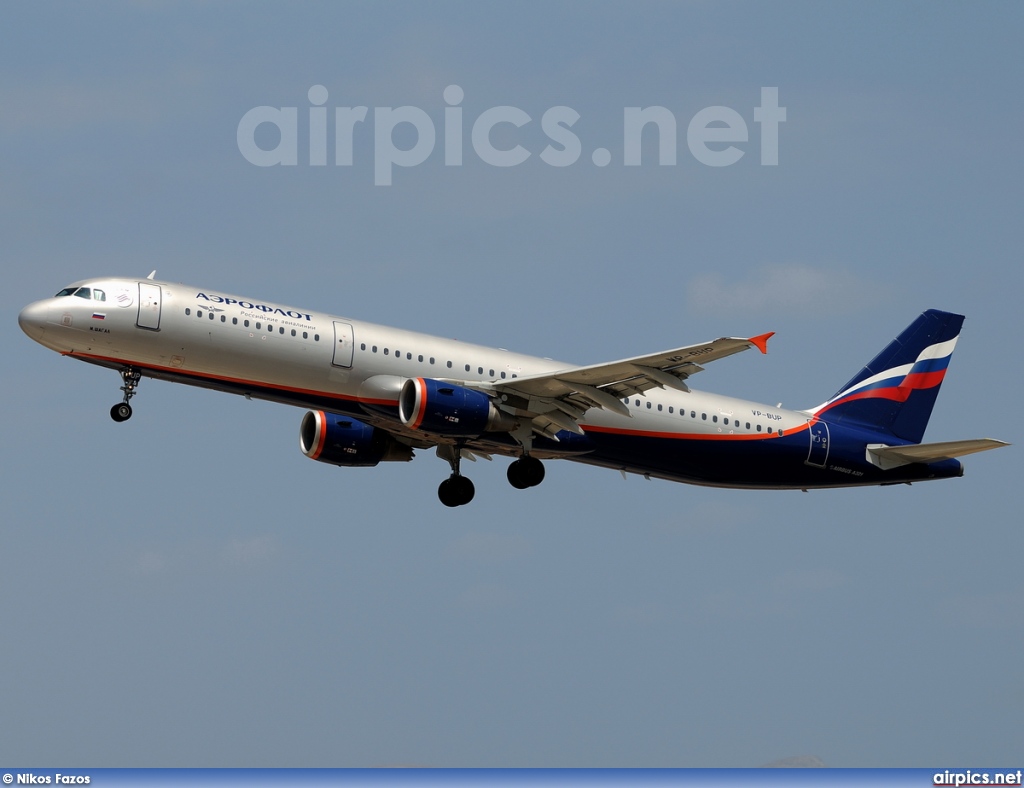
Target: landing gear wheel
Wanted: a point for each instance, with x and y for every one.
(130, 376)
(456, 491)
(122, 411)
(525, 472)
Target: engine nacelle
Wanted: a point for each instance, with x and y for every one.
(448, 409)
(342, 440)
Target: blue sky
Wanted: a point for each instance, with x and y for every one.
(187, 589)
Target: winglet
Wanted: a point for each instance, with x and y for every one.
(761, 341)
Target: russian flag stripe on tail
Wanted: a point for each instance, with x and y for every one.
(894, 394)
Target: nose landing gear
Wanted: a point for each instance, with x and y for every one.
(122, 411)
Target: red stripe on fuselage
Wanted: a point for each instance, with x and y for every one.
(698, 436)
(242, 381)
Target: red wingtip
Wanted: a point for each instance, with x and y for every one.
(761, 341)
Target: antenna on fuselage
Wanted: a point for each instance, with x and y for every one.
(151, 274)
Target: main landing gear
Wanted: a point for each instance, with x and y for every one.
(525, 472)
(456, 490)
(122, 411)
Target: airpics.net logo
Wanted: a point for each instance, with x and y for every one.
(713, 135)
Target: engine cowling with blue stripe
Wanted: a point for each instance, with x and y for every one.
(341, 440)
(442, 408)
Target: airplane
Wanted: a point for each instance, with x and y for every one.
(376, 394)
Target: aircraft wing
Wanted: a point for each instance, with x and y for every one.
(886, 457)
(558, 400)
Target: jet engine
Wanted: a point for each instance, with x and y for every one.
(343, 440)
(444, 408)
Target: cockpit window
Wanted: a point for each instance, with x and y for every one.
(83, 292)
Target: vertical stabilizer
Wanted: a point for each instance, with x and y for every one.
(896, 391)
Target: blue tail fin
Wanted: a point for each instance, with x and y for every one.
(895, 392)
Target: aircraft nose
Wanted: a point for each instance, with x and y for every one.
(32, 319)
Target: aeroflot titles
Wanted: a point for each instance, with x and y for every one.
(249, 305)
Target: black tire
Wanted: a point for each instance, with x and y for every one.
(456, 491)
(122, 411)
(466, 489)
(447, 493)
(533, 470)
(517, 476)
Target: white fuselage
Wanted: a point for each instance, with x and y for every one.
(304, 358)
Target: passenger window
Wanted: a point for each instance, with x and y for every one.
(703, 417)
(648, 406)
(420, 357)
(758, 427)
(431, 359)
(234, 321)
(212, 316)
(223, 318)
(659, 406)
(502, 375)
(305, 335)
(714, 419)
(246, 323)
(188, 311)
(316, 337)
(449, 365)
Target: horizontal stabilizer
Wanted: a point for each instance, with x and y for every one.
(886, 457)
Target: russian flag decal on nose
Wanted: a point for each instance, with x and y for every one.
(98, 316)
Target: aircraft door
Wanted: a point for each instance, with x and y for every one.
(342, 344)
(149, 306)
(818, 454)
